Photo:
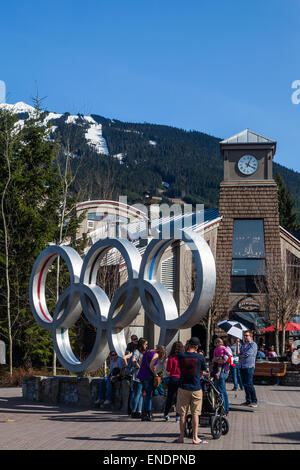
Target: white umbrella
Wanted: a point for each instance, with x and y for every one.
(233, 328)
(296, 357)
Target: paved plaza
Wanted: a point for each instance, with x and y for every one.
(274, 425)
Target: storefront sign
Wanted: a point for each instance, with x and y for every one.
(248, 304)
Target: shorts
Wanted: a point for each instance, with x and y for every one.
(189, 398)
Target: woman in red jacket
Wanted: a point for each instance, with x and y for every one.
(173, 373)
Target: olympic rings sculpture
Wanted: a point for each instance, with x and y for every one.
(110, 318)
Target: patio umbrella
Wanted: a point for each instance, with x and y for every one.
(233, 328)
(248, 319)
(291, 326)
(296, 357)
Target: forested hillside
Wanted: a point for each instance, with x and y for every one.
(110, 158)
(144, 156)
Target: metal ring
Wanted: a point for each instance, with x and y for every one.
(110, 318)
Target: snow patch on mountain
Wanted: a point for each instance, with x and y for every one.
(93, 134)
(50, 117)
(71, 119)
(95, 139)
(120, 157)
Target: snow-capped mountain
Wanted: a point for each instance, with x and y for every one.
(18, 108)
(92, 130)
(113, 157)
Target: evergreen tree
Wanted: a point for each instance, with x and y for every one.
(288, 217)
(31, 194)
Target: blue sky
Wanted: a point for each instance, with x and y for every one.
(216, 66)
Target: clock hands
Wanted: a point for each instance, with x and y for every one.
(248, 164)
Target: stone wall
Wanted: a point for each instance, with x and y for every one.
(68, 390)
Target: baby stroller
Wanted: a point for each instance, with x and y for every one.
(212, 411)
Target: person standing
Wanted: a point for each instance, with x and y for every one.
(191, 365)
(134, 341)
(247, 365)
(234, 369)
(161, 362)
(220, 379)
(173, 372)
(136, 400)
(146, 375)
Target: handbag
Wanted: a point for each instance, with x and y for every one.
(156, 381)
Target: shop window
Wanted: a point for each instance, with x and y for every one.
(293, 271)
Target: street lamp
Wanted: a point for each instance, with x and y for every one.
(148, 200)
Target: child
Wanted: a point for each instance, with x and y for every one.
(219, 352)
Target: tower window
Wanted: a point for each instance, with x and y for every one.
(248, 254)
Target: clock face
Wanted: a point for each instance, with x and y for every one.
(247, 164)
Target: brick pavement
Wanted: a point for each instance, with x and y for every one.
(36, 426)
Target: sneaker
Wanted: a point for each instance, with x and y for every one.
(146, 418)
(107, 402)
(245, 403)
(177, 419)
(166, 418)
(253, 405)
(99, 402)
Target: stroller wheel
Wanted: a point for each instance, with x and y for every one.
(225, 426)
(188, 427)
(216, 427)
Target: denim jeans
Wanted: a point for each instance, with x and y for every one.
(247, 377)
(136, 401)
(236, 377)
(105, 389)
(148, 388)
(221, 387)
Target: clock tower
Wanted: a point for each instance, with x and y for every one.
(248, 236)
(248, 158)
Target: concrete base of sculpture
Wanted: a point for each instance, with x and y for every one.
(80, 392)
(65, 390)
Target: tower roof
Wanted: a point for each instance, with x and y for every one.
(247, 137)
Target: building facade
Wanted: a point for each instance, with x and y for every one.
(244, 235)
